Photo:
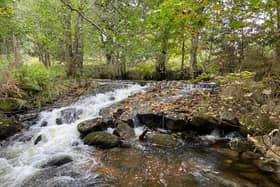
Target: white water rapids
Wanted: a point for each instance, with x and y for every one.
(20, 160)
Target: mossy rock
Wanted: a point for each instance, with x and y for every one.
(11, 104)
(126, 130)
(102, 140)
(164, 140)
(7, 127)
(93, 125)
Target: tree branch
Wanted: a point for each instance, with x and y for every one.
(102, 32)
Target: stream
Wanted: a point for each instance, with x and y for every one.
(53, 155)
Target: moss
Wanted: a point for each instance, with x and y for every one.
(102, 140)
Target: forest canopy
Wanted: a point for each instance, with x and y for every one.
(142, 39)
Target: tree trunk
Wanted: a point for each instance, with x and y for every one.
(123, 66)
(193, 55)
(78, 41)
(44, 56)
(162, 57)
(183, 60)
(70, 64)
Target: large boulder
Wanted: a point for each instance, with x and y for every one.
(204, 124)
(165, 140)
(7, 127)
(151, 120)
(102, 140)
(11, 104)
(97, 124)
(174, 124)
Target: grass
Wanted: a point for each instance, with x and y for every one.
(33, 82)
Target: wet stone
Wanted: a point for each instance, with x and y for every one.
(151, 120)
(58, 121)
(125, 130)
(97, 124)
(57, 161)
(44, 124)
(164, 140)
(38, 139)
(102, 140)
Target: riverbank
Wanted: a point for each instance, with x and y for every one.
(26, 104)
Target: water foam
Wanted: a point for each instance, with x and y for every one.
(21, 160)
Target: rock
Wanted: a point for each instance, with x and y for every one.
(118, 113)
(11, 104)
(125, 130)
(57, 161)
(58, 121)
(89, 126)
(75, 143)
(174, 124)
(116, 133)
(38, 139)
(32, 116)
(7, 127)
(70, 115)
(151, 120)
(164, 140)
(102, 139)
(142, 136)
(204, 124)
(44, 124)
(127, 118)
(242, 146)
(112, 98)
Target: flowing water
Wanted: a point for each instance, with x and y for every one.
(22, 163)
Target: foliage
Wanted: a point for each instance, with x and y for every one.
(144, 71)
(202, 77)
(36, 77)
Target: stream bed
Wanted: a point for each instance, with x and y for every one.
(52, 155)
